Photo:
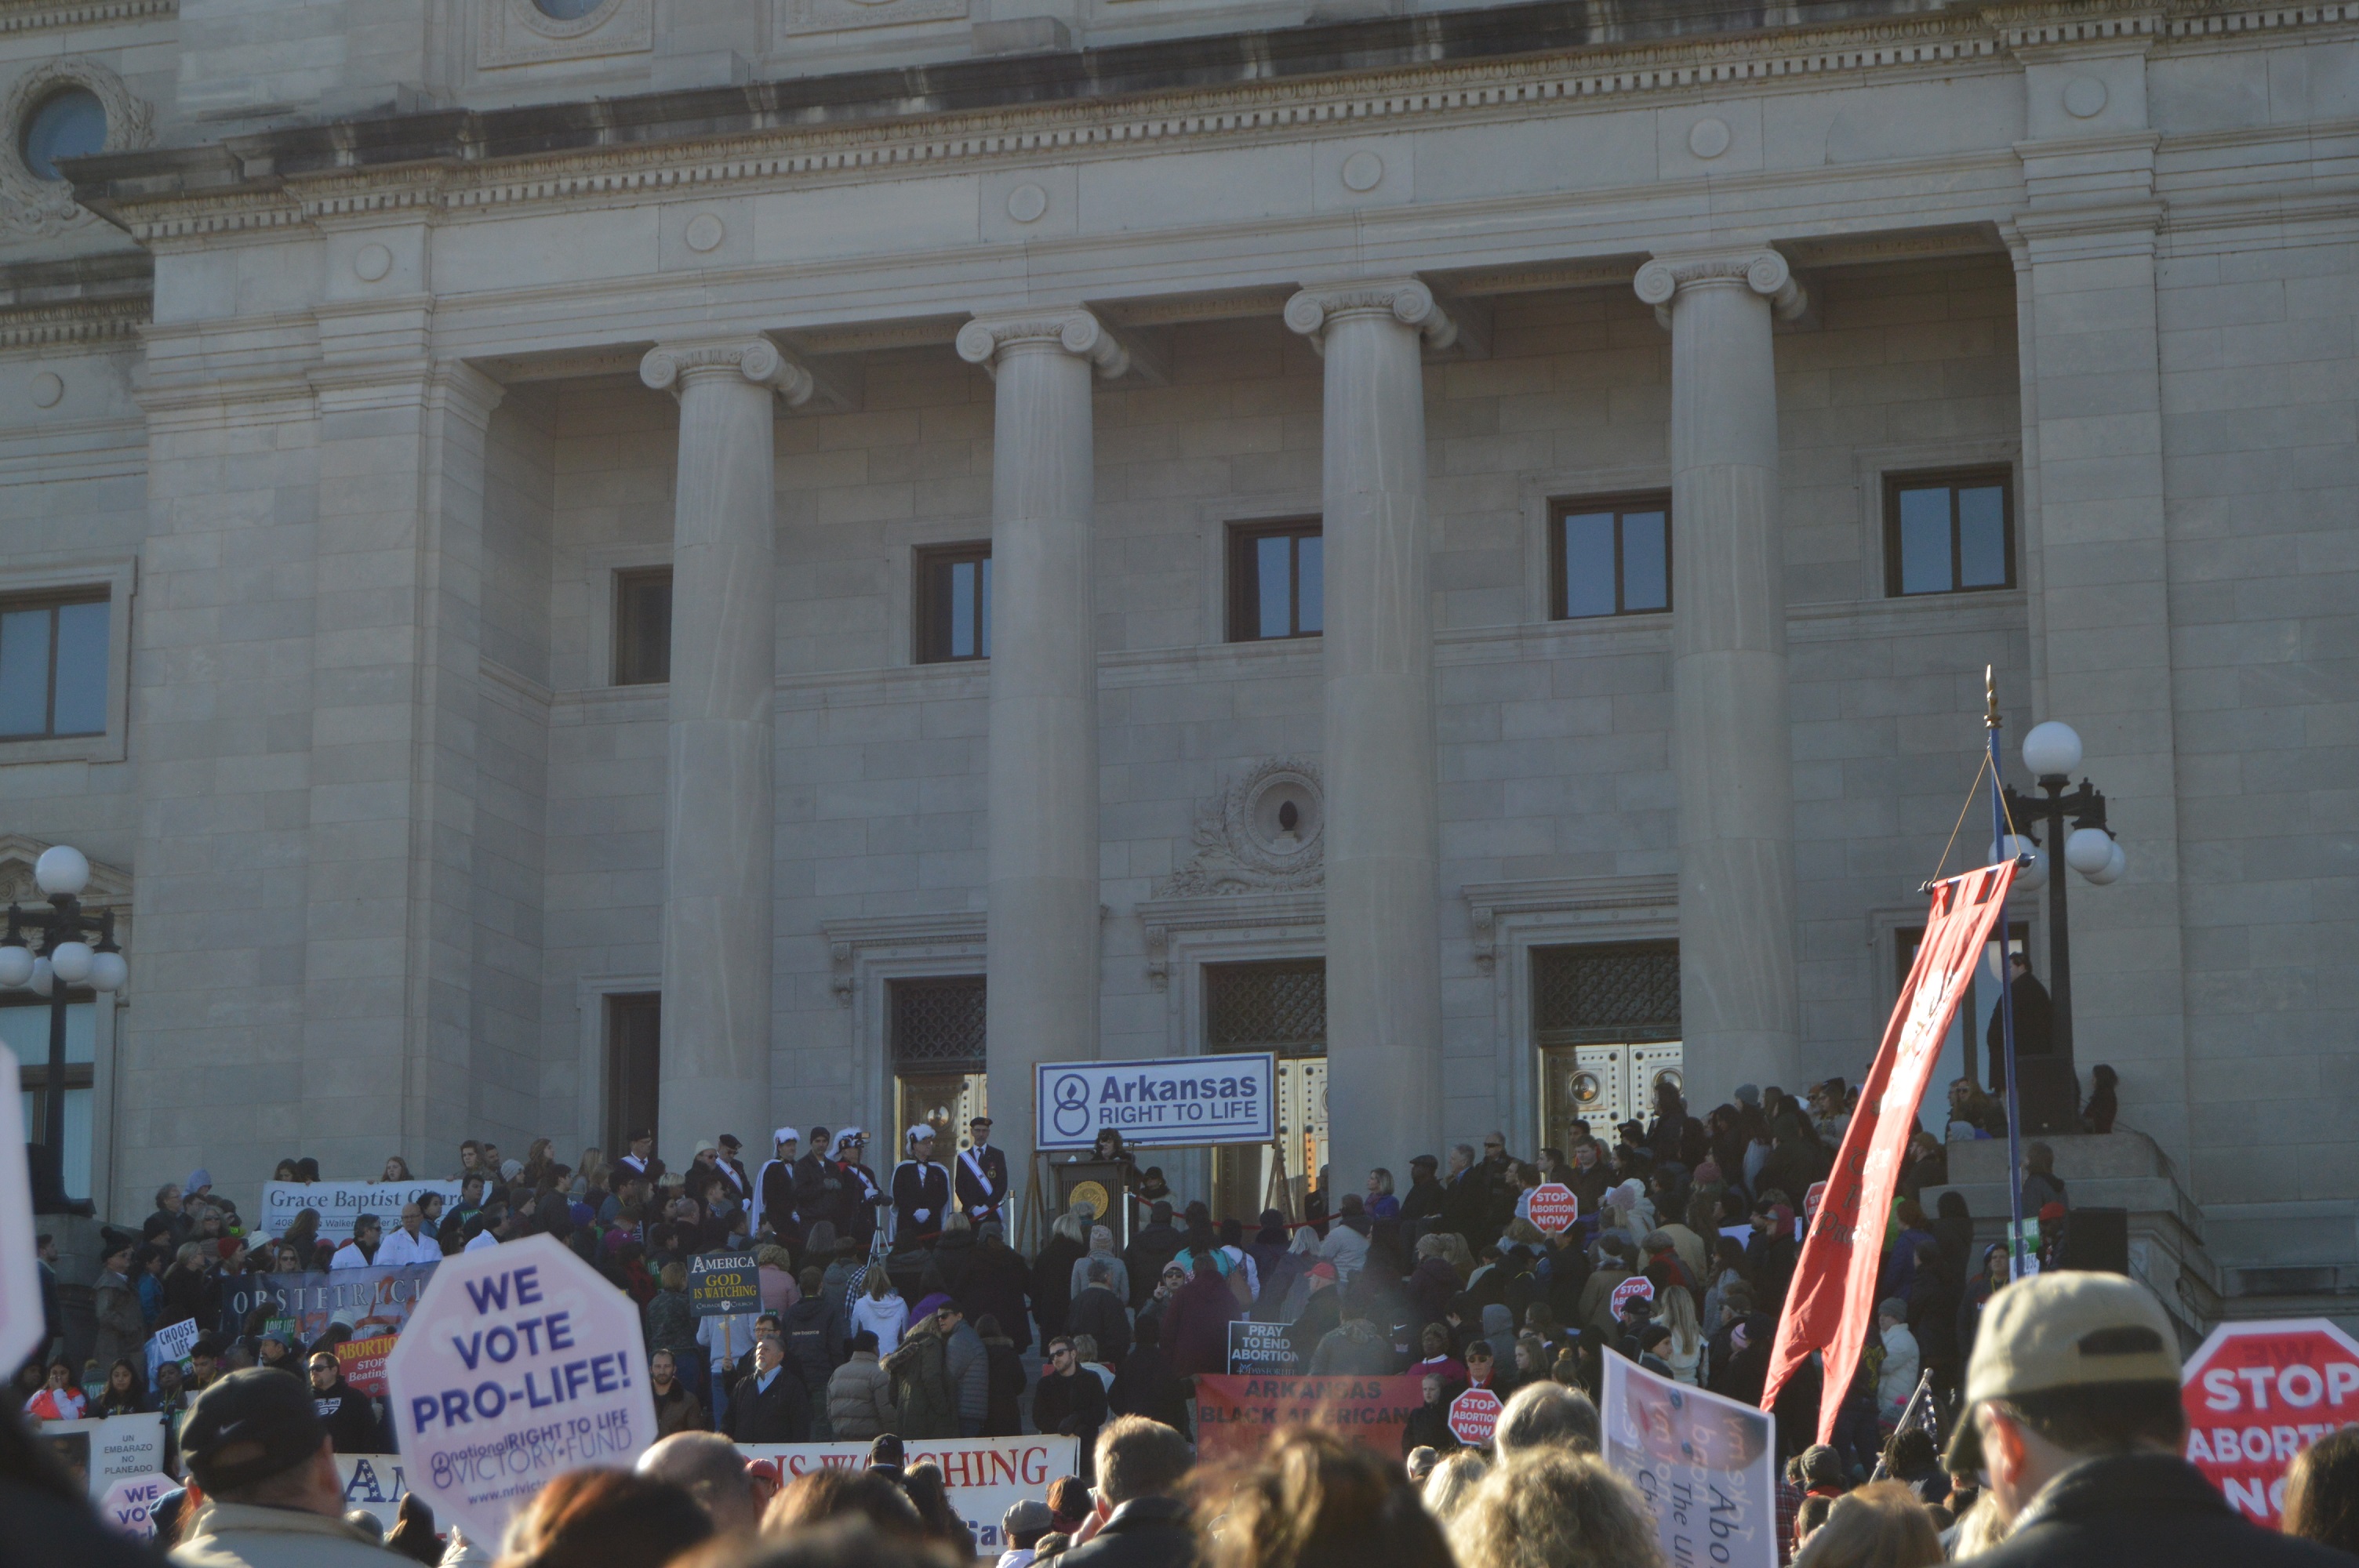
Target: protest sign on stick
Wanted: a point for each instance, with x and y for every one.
(520, 1363)
(1700, 1463)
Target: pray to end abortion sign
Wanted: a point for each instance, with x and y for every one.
(519, 1364)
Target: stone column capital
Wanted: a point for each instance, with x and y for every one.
(1763, 271)
(671, 366)
(1075, 332)
(1407, 300)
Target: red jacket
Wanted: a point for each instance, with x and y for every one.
(1196, 1327)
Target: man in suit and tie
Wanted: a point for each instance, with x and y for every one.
(982, 1174)
(922, 1190)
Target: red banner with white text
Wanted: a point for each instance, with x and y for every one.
(1233, 1414)
(1831, 1301)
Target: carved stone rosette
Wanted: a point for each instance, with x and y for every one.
(1245, 841)
(667, 368)
(1405, 300)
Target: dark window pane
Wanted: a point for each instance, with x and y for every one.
(1982, 536)
(1925, 541)
(962, 594)
(25, 672)
(71, 124)
(1310, 583)
(1589, 564)
(1646, 562)
(983, 612)
(1273, 595)
(81, 669)
(643, 627)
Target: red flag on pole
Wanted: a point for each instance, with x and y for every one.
(1833, 1299)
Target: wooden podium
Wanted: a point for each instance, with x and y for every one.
(1103, 1184)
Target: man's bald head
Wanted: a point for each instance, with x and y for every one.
(714, 1473)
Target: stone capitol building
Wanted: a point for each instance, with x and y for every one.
(575, 564)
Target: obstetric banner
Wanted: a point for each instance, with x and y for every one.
(1701, 1463)
(521, 1363)
(1831, 1301)
(1172, 1103)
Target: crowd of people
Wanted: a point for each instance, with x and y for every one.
(896, 1310)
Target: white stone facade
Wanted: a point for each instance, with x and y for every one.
(336, 375)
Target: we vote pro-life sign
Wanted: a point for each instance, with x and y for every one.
(520, 1364)
(1173, 1103)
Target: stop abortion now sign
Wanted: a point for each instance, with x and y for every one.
(1554, 1207)
(2259, 1393)
(519, 1363)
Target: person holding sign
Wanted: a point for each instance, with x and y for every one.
(264, 1480)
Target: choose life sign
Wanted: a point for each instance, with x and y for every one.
(1174, 1101)
(520, 1363)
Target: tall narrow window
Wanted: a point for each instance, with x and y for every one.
(1948, 532)
(53, 667)
(1278, 1006)
(1278, 580)
(25, 1030)
(634, 1066)
(643, 626)
(1611, 556)
(939, 1057)
(953, 603)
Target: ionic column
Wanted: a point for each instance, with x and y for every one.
(1382, 839)
(1041, 786)
(1738, 1004)
(717, 794)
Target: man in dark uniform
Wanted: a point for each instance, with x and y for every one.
(982, 1174)
(862, 1192)
(2033, 1013)
(733, 1169)
(641, 1160)
(820, 1183)
(921, 1189)
(774, 1187)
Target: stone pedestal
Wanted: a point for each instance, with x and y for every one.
(718, 800)
(1043, 770)
(2120, 1170)
(1739, 1007)
(1384, 978)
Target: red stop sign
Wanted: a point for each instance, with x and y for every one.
(2259, 1393)
(1472, 1415)
(1554, 1207)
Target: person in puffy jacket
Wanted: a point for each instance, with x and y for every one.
(860, 1394)
(925, 1401)
(815, 1336)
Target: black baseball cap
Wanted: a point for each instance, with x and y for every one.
(247, 1427)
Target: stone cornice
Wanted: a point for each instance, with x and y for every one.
(1508, 62)
(95, 299)
(33, 16)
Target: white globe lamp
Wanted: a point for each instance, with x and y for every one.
(41, 981)
(62, 869)
(2051, 750)
(2115, 864)
(16, 966)
(2087, 850)
(70, 961)
(108, 971)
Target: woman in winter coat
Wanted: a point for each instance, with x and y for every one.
(184, 1286)
(1053, 1272)
(1197, 1327)
(1145, 1385)
(945, 1272)
(1284, 1285)
(1432, 1284)
(860, 1394)
(1003, 1414)
(121, 1329)
(61, 1398)
(127, 1390)
(880, 1310)
(1100, 1252)
(993, 1287)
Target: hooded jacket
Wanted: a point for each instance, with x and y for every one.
(2144, 1511)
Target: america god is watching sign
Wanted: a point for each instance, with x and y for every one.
(1171, 1102)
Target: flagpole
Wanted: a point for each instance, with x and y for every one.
(1991, 724)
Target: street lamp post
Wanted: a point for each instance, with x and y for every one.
(2049, 1094)
(65, 960)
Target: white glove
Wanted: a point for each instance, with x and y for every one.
(922, 1214)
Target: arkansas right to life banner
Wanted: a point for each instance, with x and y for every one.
(1701, 1463)
(1831, 1302)
(1235, 1414)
